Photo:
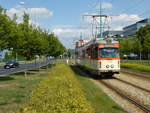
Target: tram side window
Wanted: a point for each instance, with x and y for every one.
(88, 53)
(94, 52)
(83, 53)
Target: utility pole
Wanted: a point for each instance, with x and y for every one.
(101, 22)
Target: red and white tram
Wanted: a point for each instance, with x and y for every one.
(100, 56)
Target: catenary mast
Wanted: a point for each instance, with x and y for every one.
(101, 22)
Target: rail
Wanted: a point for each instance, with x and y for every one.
(136, 73)
(146, 90)
(142, 107)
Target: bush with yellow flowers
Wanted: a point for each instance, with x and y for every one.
(60, 92)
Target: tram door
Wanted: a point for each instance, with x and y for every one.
(94, 59)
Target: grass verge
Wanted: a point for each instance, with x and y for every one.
(60, 92)
(99, 100)
(138, 67)
(141, 62)
(15, 89)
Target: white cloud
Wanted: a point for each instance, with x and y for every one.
(126, 18)
(105, 5)
(122, 20)
(115, 22)
(68, 35)
(13, 11)
(118, 28)
(21, 3)
(33, 12)
(62, 26)
(39, 12)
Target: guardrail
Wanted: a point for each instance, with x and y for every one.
(22, 67)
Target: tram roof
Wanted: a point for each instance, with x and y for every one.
(101, 41)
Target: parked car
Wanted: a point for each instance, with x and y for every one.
(11, 64)
(132, 56)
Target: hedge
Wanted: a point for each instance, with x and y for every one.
(60, 92)
(136, 67)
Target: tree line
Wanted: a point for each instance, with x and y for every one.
(138, 44)
(27, 40)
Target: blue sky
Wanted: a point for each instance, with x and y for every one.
(63, 17)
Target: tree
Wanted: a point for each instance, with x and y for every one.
(27, 40)
(137, 47)
(55, 48)
(6, 56)
(126, 46)
(5, 30)
(143, 36)
(147, 44)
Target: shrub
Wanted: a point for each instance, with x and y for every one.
(136, 67)
(60, 92)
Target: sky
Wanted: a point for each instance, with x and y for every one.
(65, 17)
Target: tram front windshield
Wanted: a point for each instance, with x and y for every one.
(108, 53)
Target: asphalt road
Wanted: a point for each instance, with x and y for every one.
(21, 67)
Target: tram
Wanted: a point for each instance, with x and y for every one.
(99, 56)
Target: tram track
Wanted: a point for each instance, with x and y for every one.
(124, 94)
(136, 93)
(133, 101)
(144, 75)
(146, 90)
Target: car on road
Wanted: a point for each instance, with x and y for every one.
(11, 64)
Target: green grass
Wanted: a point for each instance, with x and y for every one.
(15, 89)
(99, 100)
(138, 67)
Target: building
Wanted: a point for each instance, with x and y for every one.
(132, 29)
(113, 34)
(116, 34)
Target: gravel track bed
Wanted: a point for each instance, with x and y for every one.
(141, 96)
(145, 75)
(143, 83)
(125, 104)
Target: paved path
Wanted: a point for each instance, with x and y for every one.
(22, 67)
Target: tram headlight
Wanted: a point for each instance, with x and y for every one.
(112, 66)
(107, 66)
